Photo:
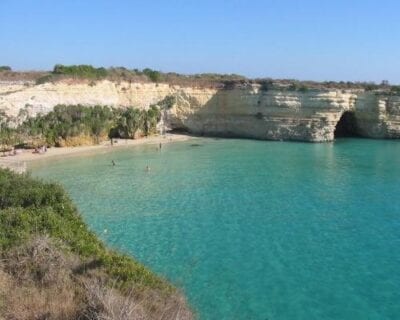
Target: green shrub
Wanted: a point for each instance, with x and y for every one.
(168, 102)
(70, 121)
(153, 75)
(81, 71)
(130, 121)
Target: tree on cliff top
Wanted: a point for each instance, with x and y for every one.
(83, 71)
(153, 75)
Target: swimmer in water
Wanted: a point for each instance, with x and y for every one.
(147, 168)
(113, 163)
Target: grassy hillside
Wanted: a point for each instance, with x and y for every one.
(53, 267)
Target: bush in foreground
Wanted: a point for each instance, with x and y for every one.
(54, 267)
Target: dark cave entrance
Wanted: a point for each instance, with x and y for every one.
(346, 126)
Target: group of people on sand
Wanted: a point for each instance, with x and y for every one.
(13, 152)
(40, 150)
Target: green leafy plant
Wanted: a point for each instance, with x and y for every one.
(82, 71)
(153, 75)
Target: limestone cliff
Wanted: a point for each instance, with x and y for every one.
(378, 116)
(240, 111)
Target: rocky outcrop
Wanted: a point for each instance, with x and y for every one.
(253, 113)
(241, 111)
(378, 116)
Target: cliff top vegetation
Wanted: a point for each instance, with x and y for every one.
(213, 80)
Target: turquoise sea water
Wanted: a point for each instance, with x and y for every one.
(253, 229)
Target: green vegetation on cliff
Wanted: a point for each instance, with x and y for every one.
(89, 72)
(83, 71)
(214, 80)
(93, 74)
(48, 252)
(77, 124)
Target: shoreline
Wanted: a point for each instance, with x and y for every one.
(18, 163)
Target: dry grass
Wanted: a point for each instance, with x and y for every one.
(40, 262)
(33, 303)
(39, 280)
(40, 283)
(107, 303)
(21, 76)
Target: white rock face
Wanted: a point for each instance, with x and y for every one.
(43, 98)
(275, 115)
(378, 116)
(241, 112)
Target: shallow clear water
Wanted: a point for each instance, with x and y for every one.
(254, 229)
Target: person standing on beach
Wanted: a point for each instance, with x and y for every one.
(160, 146)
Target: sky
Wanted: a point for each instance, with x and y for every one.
(349, 40)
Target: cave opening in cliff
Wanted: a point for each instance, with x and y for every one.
(346, 126)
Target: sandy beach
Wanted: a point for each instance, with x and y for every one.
(20, 161)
